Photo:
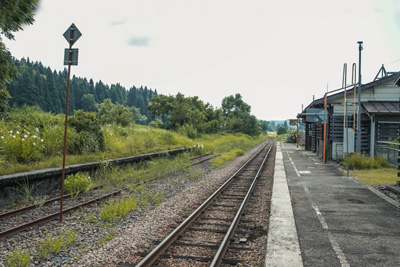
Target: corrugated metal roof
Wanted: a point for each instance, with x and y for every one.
(391, 76)
(382, 107)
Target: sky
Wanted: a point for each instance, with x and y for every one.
(276, 54)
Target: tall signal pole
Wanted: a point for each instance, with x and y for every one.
(358, 143)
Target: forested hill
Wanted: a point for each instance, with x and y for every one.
(37, 85)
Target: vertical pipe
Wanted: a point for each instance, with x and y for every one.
(347, 143)
(325, 119)
(354, 83)
(297, 134)
(344, 81)
(358, 146)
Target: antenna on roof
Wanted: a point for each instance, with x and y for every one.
(382, 72)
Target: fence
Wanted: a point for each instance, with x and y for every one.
(388, 150)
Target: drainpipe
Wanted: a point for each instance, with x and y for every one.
(326, 115)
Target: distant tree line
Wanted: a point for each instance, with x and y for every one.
(191, 116)
(36, 85)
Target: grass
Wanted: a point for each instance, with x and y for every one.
(113, 211)
(228, 145)
(119, 142)
(18, 259)
(376, 177)
(370, 170)
(51, 245)
(107, 237)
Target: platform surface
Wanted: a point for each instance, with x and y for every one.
(339, 221)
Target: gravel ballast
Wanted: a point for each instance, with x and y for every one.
(97, 244)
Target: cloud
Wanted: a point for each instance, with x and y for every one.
(118, 22)
(138, 41)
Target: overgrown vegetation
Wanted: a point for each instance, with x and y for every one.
(370, 170)
(18, 258)
(113, 211)
(77, 183)
(51, 245)
(362, 162)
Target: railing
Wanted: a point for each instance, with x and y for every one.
(388, 150)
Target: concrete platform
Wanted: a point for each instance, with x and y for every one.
(338, 221)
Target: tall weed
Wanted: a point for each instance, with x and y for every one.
(18, 259)
(362, 162)
(113, 211)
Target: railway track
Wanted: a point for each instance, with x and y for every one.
(17, 220)
(204, 237)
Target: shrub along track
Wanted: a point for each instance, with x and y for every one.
(204, 237)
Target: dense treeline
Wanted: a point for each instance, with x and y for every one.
(37, 85)
(191, 116)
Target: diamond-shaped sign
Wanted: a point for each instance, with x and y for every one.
(72, 34)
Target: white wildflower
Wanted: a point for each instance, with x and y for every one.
(17, 132)
(11, 131)
(34, 143)
(2, 137)
(22, 139)
(37, 129)
(41, 140)
(25, 136)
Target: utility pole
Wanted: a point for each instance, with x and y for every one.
(358, 144)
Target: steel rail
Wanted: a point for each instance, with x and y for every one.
(53, 216)
(200, 156)
(226, 241)
(34, 206)
(203, 160)
(160, 248)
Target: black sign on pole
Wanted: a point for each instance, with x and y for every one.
(74, 56)
(72, 34)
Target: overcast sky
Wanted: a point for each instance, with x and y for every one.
(276, 54)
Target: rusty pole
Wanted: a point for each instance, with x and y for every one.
(65, 130)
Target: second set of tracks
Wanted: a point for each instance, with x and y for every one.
(204, 238)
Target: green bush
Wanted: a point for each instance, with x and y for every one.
(362, 162)
(188, 130)
(22, 144)
(77, 183)
(291, 136)
(114, 113)
(89, 135)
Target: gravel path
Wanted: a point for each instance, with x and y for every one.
(98, 244)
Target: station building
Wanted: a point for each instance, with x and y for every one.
(380, 117)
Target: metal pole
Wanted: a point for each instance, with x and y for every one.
(347, 141)
(65, 132)
(297, 134)
(325, 105)
(358, 144)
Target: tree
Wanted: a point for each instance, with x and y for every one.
(264, 126)
(232, 105)
(114, 113)
(88, 103)
(238, 118)
(281, 130)
(13, 14)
